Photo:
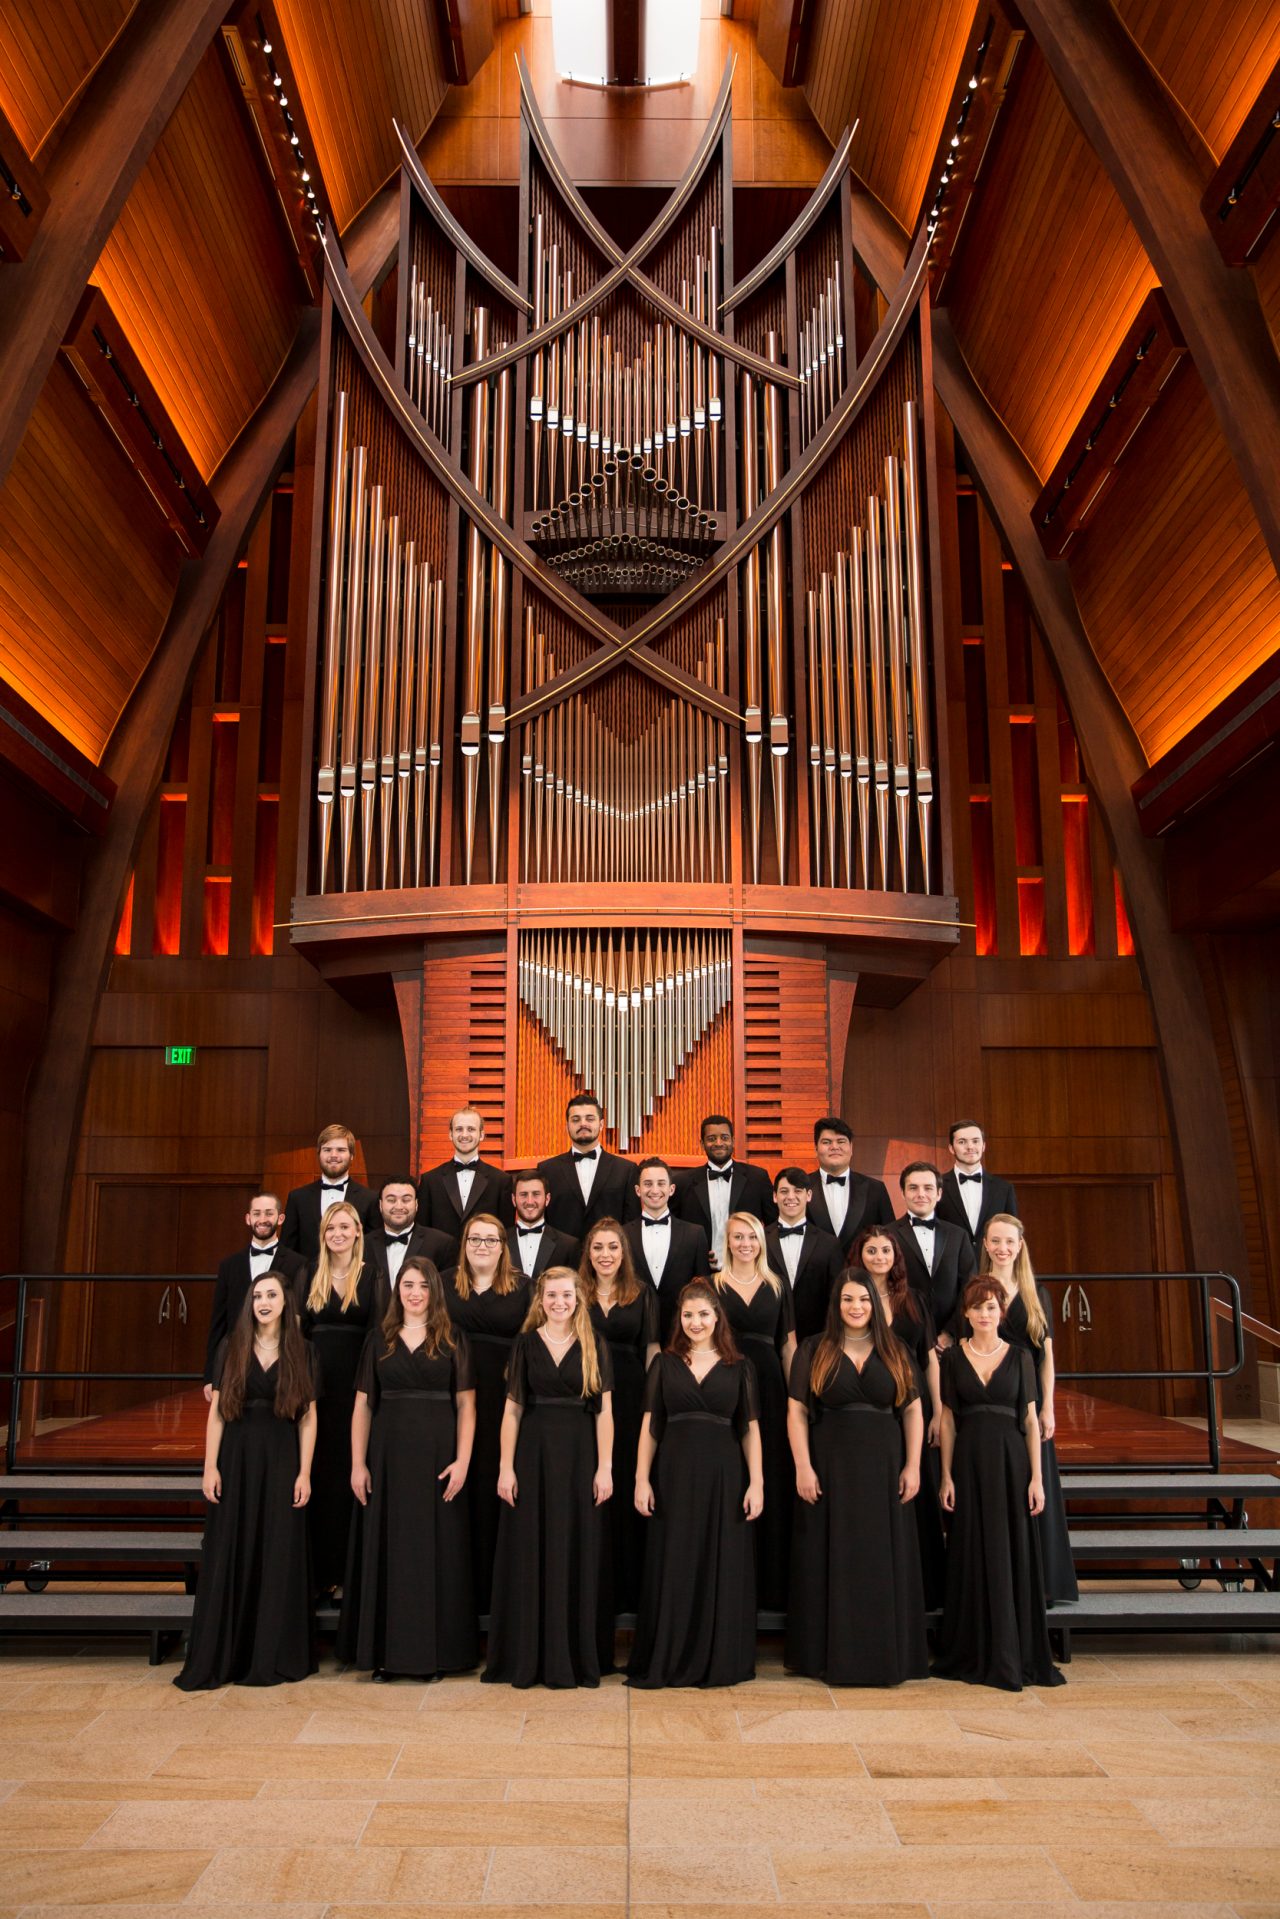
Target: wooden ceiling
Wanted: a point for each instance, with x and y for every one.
(1176, 587)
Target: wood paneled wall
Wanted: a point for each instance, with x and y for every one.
(1212, 59)
(46, 55)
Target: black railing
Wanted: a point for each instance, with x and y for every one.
(1208, 1375)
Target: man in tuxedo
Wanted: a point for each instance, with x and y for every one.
(402, 1234)
(706, 1195)
(939, 1257)
(455, 1189)
(535, 1244)
(970, 1195)
(586, 1183)
(666, 1251)
(307, 1205)
(843, 1201)
(236, 1274)
(801, 1252)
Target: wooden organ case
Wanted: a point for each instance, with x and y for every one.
(623, 683)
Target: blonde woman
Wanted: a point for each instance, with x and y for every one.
(487, 1299)
(1028, 1324)
(339, 1312)
(760, 1310)
(555, 1475)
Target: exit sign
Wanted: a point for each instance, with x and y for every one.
(179, 1055)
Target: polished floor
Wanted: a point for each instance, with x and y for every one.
(1149, 1785)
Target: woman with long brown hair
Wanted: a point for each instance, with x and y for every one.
(696, 1624)
(856, 1616)
(407, 1605)
(252, 1620)
(487, 1299)
(339, 1310)
(554, 1476)
(760, 1309)
(624, 1311)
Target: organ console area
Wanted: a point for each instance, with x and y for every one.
(623, 664)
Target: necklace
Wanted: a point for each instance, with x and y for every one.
(553, 1341)
(985, 1352)
(855, 1339)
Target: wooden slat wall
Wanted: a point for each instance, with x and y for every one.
(890, 65)
(87, 568)
(787, 1061)
(1213, 58)
(1174, 580)
(1050, 272)
(358, 64)
(197, 272)
(464, 1051)
(47, 52)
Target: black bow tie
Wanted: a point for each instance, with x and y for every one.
(398, 1239)
(718, 1172)
(333, 1186)
(590, 1155)
(928, 1223)
(526, 1232)
(264, 1252)
(969, 1179)
(790, 1232)
(465, 1165)
(664, 1221)
(835, 1179)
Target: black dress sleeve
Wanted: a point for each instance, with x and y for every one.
(649, 1332)
(786, 1317)
(367, 1371)
(518, 1371)
(219, 1362)
(801, 1367)
(928, 1330)
(604, 1359)
(948, 1367)
(1046, 1307)
(464, 1371)
(748, 1407)
(1026, 1385)
(654, 1402)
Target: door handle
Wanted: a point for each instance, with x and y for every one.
(182, 1306)
(165, 1308)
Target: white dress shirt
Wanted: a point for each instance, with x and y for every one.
(466, 1177)
(656, 1240)
(529, 1245)
(971, 1196)
(837, 1198)
(265, 1255)
(396, 1258)
(586, 1171)
(926, 1233)
(718, 1194)
(791, 1246)
(332, 1197)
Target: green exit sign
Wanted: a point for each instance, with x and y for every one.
(179, 1055)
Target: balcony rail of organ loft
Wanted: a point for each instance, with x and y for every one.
(604, 540)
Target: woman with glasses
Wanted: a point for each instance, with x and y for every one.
(487, 1300)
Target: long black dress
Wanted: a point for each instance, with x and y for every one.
(1060, 1584)
(856, 1616)
(546, 1573)
(490, 1321)
(916, 1331)
(252, 1619)
(407, 1604)
(337, 1340)
(761, 1330)
(630, 1330)
(993, 1630)
(697, 1620)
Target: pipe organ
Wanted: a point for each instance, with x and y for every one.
(625, 669)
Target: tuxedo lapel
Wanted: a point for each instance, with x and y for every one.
(818, 1210)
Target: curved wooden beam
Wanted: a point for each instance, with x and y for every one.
(456, 235)
(1114, 759)
(1131, 121)
(108, 139)
(800, 226)
(622, 263)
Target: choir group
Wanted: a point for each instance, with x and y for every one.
(593, 1389)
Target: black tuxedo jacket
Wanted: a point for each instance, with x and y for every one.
(440, 1248)
(301, 1229)
(554, 1249)
(232, 1285)
(953, 1264)
(998, 1196)
(688, 1257)
(869, 1205)
(750, 1191)
(613, 1193)
(821, 1264)
(440, 1202)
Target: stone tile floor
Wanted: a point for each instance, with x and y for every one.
(1149, 1785)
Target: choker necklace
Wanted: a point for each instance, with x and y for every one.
(856, 1337)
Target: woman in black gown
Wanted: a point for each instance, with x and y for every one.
(624, 1311)
(252, 1619)
(856, 1616)
(1028, 1323)
(879, 1258)
(407, 1604)
(993, 1630)
(487, 1298)
(697, 1620)
(340, 1309)
(760, 1310)
(554, 1476)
